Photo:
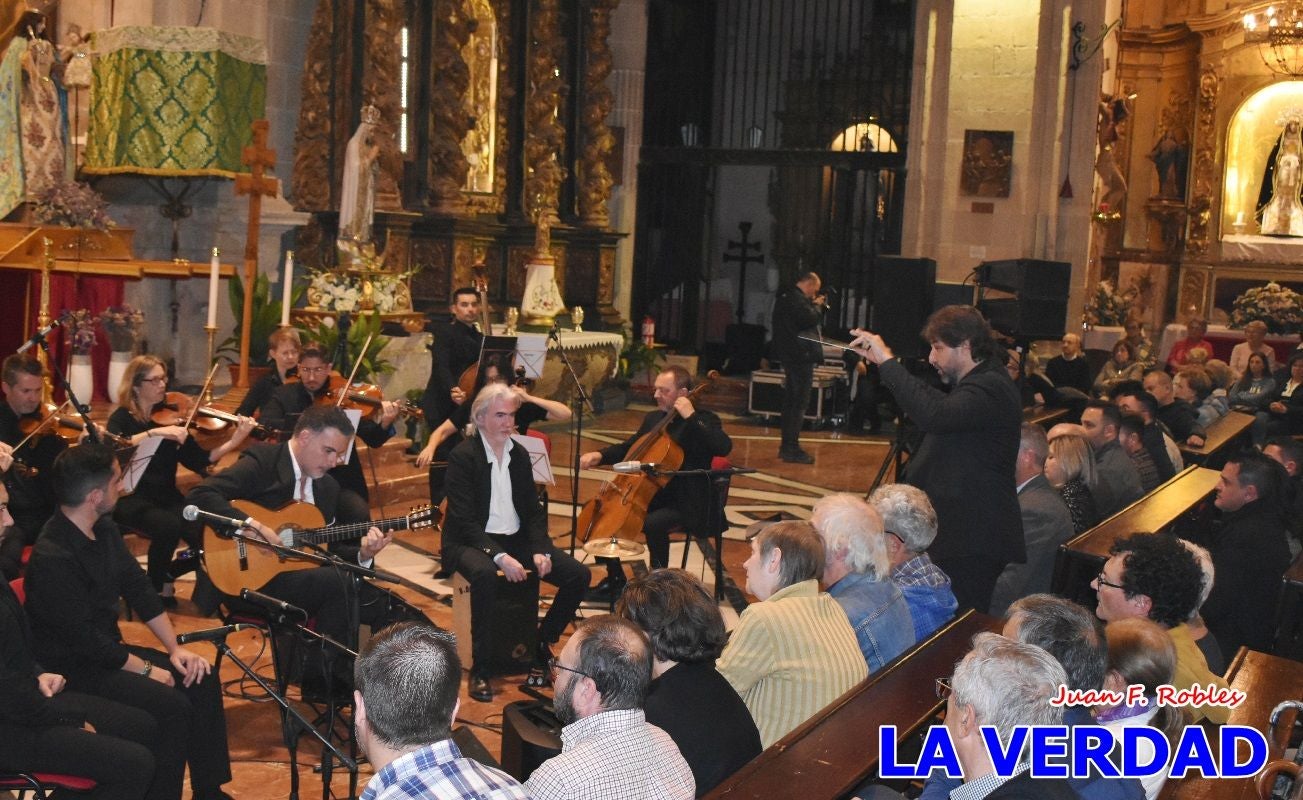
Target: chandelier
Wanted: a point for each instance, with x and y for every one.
(1278, 32)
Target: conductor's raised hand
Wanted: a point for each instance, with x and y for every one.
(870, 345)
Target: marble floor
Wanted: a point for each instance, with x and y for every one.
(260, 760)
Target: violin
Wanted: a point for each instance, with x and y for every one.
(211, 427)
(366, 397)
(50, 422)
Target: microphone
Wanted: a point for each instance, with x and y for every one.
(193, 513)
(634, 467)
(39, 336)
(273, 604)
(213, 634)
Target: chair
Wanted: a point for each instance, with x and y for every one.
(721, 488)
(40, 784)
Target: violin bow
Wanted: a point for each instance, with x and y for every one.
(194, 409)
(343, 393)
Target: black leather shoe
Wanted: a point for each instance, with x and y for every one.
(797, 456)
(480, 690)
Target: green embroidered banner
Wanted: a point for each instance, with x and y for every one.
(173, 101)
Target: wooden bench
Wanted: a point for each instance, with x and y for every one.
(1080, 559)
(1223, 436)
(1044, 416)
(1266, 680)
(1289, 613)
(837, 749)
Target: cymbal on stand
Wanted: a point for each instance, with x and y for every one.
(613, 548)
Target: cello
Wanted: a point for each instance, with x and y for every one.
(470, 377)
(618, 510)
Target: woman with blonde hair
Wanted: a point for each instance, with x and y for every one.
(1141, 653)
(1070, 468)
(154, 508)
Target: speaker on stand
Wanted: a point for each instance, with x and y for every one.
(1039, 304)
(903, 293)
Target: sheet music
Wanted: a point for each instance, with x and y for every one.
(531, 352)
(139, 462)
(538, 460)
(354, 416)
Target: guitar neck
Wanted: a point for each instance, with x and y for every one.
(348, 530)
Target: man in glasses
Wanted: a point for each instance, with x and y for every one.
(609, 750)
(911, 525)
(1154, 576)
(31, 494)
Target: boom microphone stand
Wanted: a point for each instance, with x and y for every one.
(581, 400)
(92, 432)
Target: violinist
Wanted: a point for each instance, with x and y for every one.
(31, 498)
(686, 500)
(283, 347)
(154, 508)
(449, 433)
(456, 347)
(288, 402)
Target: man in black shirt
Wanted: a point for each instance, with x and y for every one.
(456, 347)
(796, 313)
(1070, 370)
(31, 496)
(1134, 400)
(1178, 415)
(1289, 454)
(79, 573)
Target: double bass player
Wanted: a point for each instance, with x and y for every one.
(685, 501)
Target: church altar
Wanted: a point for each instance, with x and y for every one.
(1264, 249)
(1223, 339)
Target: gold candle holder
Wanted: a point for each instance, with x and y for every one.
(211, 330)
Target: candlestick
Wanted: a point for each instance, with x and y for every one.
(287, 291)
(214, 275)
(211, 330)
(1239, 218)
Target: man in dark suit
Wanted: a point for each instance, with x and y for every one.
(288, 403)
(965, 462)
(31, 495)
(687, 499)
(456, 347)
(272, 476)
(495, 522)
(797, 310)
(1046, 524)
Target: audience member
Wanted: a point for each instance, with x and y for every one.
(1255, 335)
(1121, 366)
(1131, 433)
(405, 700)
(1138, 401)
(1153, 576)
(1248, 543)
(1046, 523)
(1254, 389)
(1194, 339)
(1289, 454)
(1212, 653)
(1181, 418)
(910, 525)
(79, 573)
(1070, 468)
(1284, 415)
(608, 749)
(1141, 653)
(794, 652)
(856, 572)
(1140, 342)
(1117, 480)
(1069, 369)
(688, 698)
(970, 442)
(1194, 385)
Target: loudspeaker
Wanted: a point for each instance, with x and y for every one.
(1041, 304)
(1025, 317)
(903, 292)
(514, 636)
(470, 746)
(531, 734)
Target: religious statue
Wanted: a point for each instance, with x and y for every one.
(40, 112)
(361, 169)
(1283, 213)
(1169, 157)
(1113, 113)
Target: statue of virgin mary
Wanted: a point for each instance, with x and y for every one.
(358, 196)
(1283, 213)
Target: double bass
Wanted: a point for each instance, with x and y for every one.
(618, 510)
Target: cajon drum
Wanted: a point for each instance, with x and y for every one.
(514, 635)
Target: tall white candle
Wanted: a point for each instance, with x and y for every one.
(287, 288)
(1239, 218)
(214, 276)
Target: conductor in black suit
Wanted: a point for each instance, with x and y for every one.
(495, 522)
(797, 310)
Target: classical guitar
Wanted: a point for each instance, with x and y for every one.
(235, 564)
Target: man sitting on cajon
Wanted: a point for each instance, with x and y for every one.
(495, 523)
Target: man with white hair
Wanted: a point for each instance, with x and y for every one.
(856, 572)
(910, 525)
(1002, 684)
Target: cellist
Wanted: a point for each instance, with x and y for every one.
(685, 501)
(456, 347)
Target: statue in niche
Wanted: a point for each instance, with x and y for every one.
(1171, 158)
(361, 168)
(1282, 215)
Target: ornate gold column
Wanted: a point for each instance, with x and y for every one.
(594, 179)
(380, 88)
(447, 166)
(544, 134)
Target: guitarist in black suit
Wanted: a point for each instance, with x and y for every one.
(274, 475)
(495, 522)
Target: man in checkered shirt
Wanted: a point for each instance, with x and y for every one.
(406, 681)
(609, 751)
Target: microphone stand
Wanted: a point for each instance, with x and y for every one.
(83, 411)
(581, 400)
(718, 480)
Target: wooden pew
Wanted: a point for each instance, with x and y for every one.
(1080, 559)
(1044, 416)
(1265, 680)
(1223, 436)
(837, 749)
(1289, 612)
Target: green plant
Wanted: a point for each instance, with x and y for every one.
(266, 318)
(637, 360)
(373, 366)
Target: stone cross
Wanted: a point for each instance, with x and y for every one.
(258, 158)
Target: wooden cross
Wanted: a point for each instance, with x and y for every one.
(253, 183)
(747, 253)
